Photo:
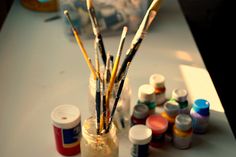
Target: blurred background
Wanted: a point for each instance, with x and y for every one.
(211, 24)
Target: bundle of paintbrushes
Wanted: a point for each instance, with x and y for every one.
(108, 78)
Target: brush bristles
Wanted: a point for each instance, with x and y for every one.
(89, 4)
(66, 12)
(124, 32)
(156, 5)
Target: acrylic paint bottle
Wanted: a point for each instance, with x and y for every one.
(146, 95)
(140, 114)
(180, 95)
(171, 110)
(67, 129)
(158, 125)
(182, 131)
(140, 136)
(200, 115)
(158, 82)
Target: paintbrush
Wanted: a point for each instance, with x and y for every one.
(102, 121)
(97, 63)
(79, 42)
(139, 36)
(117, 97)
(114, 70)
(112, 61)
(98, 103)
(96, 30)
(107, 73)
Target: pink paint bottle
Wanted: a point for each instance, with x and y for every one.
(158, 125)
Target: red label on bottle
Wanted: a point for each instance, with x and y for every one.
(68, 140)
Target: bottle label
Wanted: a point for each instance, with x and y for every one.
(139, 150)
(182, 142)
(199, 125)
(71, 137)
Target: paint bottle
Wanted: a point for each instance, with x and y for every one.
(158, 125)
(171, 110)
(140, 136)
(182, 131)
(146, 95)
(103, 145)
(158, 82)
(140, 114)
(200, 115)
(180, 95)
(67, 129)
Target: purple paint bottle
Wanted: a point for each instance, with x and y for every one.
(200, 115)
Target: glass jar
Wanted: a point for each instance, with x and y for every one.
(111, 15)
(122, 115)
(93, 145)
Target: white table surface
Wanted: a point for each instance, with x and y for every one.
(40, 69)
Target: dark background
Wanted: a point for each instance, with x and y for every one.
(211, 23)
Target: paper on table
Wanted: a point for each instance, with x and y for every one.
(199, 85)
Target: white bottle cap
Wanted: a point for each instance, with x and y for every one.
(146, 93)
(157, 80)
(140, 134)
(65, 116)
(180, 95)
(172, 108)
(183, 122)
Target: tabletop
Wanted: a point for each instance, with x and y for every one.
(40, 68)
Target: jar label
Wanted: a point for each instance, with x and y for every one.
(199, 125)
(139, 150)
(182, 142)
(71, 137)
